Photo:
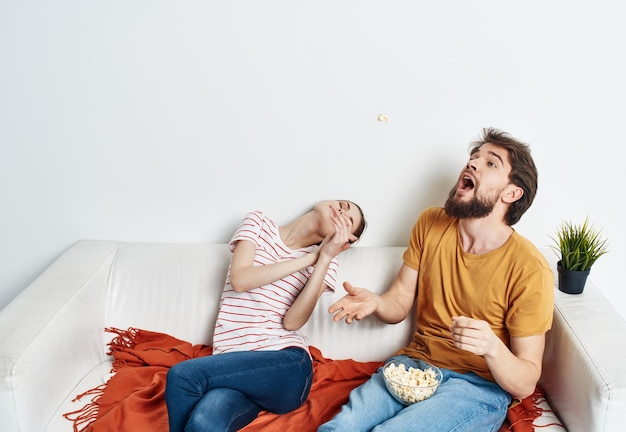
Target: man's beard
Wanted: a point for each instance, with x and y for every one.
(475, 208)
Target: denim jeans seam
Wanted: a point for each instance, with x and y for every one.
(236, 417)
(486, 408)
(466, 419)
(307, 388)
(304, 359)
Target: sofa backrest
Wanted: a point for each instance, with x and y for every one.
(169, 288)
(176, 288)
(373, 268)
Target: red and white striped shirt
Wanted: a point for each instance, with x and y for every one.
(253, 320)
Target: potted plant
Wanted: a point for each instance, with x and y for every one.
(578, 246)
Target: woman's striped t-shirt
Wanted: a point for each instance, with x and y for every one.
(253, 320)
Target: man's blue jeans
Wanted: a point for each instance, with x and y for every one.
(462, 402)
(225, 392)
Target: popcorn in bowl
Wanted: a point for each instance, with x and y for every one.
(409, 384)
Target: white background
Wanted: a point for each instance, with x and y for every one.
(164, 121)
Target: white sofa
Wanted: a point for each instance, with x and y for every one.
(53, 344)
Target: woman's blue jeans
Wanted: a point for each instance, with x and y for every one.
(462, 402)
(225, 392)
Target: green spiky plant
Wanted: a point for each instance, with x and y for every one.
(579, 246)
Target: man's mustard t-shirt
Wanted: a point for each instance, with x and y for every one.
(512, 288)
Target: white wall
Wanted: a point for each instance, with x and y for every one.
(168, 121)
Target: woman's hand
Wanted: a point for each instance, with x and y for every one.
(341, 239)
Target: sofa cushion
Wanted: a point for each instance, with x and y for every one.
(133, 398)
(174, 289)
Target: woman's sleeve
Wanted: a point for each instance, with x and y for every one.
(249, 229)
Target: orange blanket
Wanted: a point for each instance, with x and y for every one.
(132, 400)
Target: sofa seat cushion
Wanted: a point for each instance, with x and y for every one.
(97, 377)
(142, 358)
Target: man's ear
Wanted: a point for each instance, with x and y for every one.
(512, 194)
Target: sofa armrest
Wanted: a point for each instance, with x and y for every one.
(52, 334)
(583, 371)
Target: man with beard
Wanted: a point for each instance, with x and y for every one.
(484, 298)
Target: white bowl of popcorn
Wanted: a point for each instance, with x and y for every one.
(411, 381)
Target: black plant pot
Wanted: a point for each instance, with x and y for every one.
(571, 281)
